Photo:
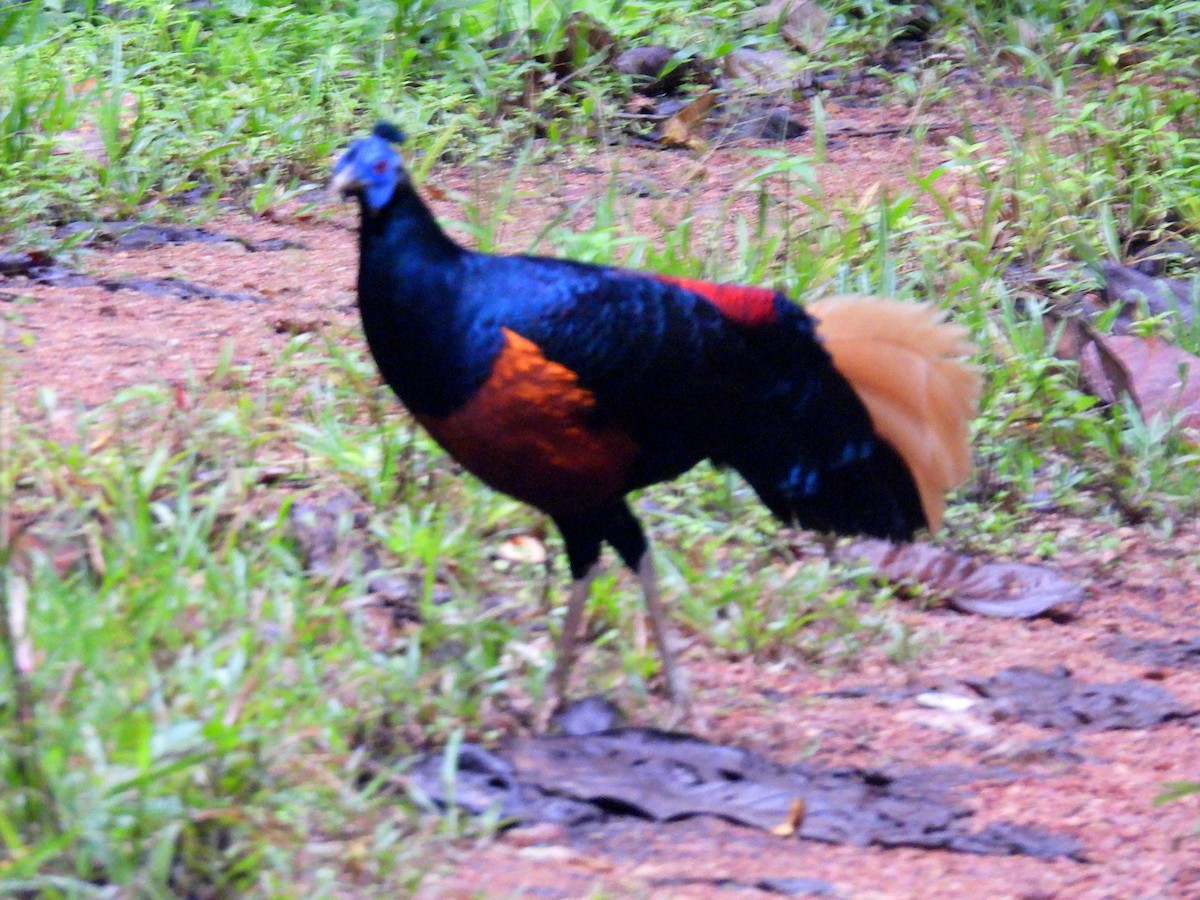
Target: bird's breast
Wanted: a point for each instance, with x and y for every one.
(529, 431)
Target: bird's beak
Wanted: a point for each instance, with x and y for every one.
(343, 184)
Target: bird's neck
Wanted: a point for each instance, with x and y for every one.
(409, 295)
(406, 232)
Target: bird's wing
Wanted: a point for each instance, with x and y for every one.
(657, 361)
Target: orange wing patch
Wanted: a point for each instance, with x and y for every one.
(745, 305)
(525, 432)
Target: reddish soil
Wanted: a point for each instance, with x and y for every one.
(88, 342)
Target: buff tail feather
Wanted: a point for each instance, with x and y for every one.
(906, 363)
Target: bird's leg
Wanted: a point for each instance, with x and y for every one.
(560, 675)
(677, 686)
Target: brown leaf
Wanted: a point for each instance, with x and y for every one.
(58, 539)
(24, 263)
(647, 66)
(1164, 379)
(1102, 371)
(585, 38)
(795, 818)
(769, 71)
(646, 62)
(801, 22)
(1003, 589)
(765, 123)
(680, 129)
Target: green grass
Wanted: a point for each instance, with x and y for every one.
(201, 713)
(200, 705)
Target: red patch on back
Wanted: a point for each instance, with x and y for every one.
(526, 433)
(745, 305)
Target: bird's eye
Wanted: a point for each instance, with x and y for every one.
(380, 166)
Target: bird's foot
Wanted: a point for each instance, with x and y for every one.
(682, 714)
(552, 704)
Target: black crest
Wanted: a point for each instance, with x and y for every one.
(388, 132)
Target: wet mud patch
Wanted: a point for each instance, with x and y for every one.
(583, 782)
(131, 235)
(42, 269)
(1055, 699)
(1162, 654)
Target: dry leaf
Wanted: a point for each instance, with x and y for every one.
(795, 818)
(61, 540)
(769, 71)
(584, 38)
(1164, 380)
(801, 22)
(680, 129)
(657, 71)
(1127, 286)
(1102, 371)
(1002, 589)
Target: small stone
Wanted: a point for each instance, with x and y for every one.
(538, 834)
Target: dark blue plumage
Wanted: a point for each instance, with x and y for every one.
(568, 385)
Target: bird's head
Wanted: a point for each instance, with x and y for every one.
(372, 168)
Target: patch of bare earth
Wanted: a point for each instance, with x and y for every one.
(86, 343)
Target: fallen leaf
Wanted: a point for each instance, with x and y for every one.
(1127, 286)
(802, 23)
(1101, 370)
(658, 70)
(585, 38)
(768, 71)
(1164, 380)
(795, 818)
(765, 123)
(1001, 589)
(680, 129)
(293, 326)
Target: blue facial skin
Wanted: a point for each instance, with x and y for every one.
(373, 168)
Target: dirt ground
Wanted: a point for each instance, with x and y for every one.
(89, 342)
